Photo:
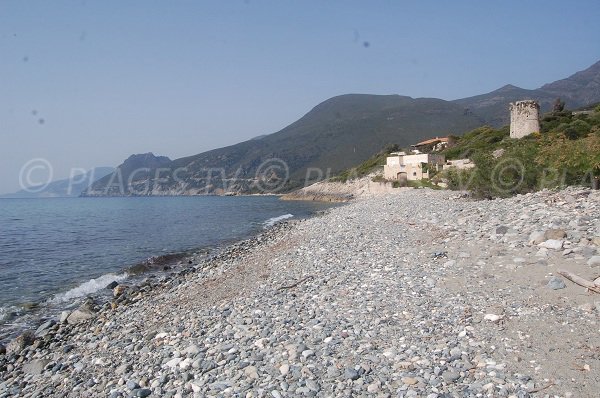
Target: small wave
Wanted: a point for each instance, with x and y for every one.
(272, 221)
(7, 313)
(89, 287)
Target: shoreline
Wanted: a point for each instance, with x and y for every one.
(149, 272)
(33, 307)
(416, 291)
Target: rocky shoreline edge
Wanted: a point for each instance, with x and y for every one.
(52, 333)
(415, 293)
(144, 275)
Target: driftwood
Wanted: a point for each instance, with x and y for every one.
(297, 283)
(580, 281)
(541, 388)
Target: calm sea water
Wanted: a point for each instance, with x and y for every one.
(55, 251)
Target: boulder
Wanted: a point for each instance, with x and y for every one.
(553, 244)
(112, 285)
(594, 261)
(556, 283)
(119, 290)
(536, 237)
(20, 342)
(62, 318)
(35, 367)
(80, 315)
(44, 328)
(85, 312)
(555, 234)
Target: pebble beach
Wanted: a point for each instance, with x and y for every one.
(412, 293)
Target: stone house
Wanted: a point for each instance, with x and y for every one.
(402, 167)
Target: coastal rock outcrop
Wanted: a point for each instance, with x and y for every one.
(334, 191)
(20, 342)
(85, 312)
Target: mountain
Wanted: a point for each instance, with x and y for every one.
(580, 89)
(69, 187)
(335, 135)
(142, 167)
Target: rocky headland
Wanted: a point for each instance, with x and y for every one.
(337, 191)
(415, 293)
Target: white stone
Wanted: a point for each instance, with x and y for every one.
(552, 244)
(594, 261)
(63, 316)
(260, 343)
(284, 369)
(192, 350)
(185, 364)
(195, 387)
(251, 372)
(373, 388)
(173, 362)
(491, 317)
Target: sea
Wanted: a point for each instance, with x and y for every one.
(54, 252)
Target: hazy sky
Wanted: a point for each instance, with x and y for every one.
(87, 83)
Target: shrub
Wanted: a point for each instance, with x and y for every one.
(571, 161)
(515, 172)
(577, 129)
(457, 179)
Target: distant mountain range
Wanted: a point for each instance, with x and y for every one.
(69, 187)
(335, 135)
(578, 90)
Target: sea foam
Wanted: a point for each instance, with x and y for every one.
(272, 221)
(89, 287)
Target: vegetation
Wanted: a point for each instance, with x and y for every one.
(422, 184)
(565, 152)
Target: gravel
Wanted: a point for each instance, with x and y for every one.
(414, 293)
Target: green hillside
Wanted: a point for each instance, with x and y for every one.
(333, 136)
(565, 152)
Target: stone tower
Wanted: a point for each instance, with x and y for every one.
(524, 118)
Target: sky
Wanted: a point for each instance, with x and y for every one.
(88, 83)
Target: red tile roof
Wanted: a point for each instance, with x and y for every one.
(432, 141)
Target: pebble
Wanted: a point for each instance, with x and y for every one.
(594, 261)
(552, 244)
(351, 373)
(556, 283)
(371, 311)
